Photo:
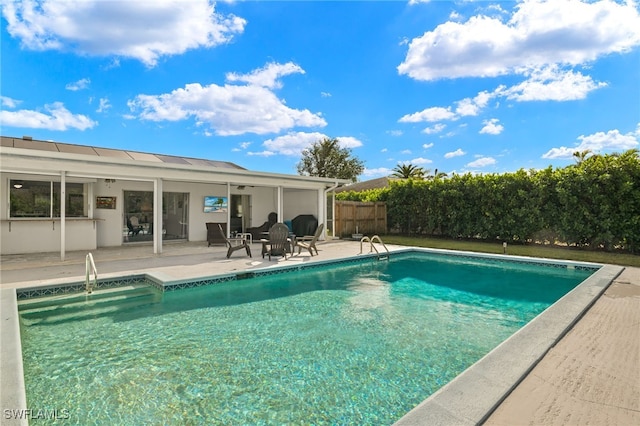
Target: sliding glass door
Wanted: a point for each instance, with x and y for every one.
(138, 223)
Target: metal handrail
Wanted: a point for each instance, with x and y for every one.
(373, 247)
(90, 267)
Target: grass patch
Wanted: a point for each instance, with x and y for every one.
(530, 250)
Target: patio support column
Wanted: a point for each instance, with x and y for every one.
(157, 216)
(63, 214)
(322, 210)
(279, 210)
(228, 209)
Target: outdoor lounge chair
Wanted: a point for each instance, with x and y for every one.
(257, 231)
(242, 244)
(278, 243)
(309, 242)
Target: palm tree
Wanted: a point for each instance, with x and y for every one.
(409, 171)
(437, 175)
(580, 156)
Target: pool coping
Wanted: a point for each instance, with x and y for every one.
(468, 399)
(473, 395)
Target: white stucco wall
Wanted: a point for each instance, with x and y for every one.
(297, 202)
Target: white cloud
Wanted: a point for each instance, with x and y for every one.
(434, 129)
(228, 109)
(142, 30)
(395, 132)
(78, 85)
(482, 162)
(547, 84)
(473, 106)
(8, 102)
(243, 146)
(457, 153)
(104, 105)
(427, 145)
(599, 142)
(57, 117)
(420, 160)
(293, 143)
(325, 94)
(552, 84)
(268, 76)
(491, 127)
(538, 34)
(455, 16)
(430, 114)
(262, 153)
(405, 151)
(378, 172)
(348, 142)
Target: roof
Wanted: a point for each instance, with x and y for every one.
(28, 143)
(382, 182)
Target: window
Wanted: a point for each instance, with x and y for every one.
(42, 199)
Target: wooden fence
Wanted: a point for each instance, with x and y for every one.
(352, 217)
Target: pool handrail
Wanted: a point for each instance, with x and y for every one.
(372, 246)
(90, 267)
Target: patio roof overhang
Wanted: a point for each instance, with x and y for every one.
(29, 161)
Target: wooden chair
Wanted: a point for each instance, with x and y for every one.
(278, 243)
(233, 247)
(308, 241)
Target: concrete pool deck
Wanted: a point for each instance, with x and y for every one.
(591, 376)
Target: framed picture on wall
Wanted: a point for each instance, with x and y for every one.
(215, 204)
(105, 202)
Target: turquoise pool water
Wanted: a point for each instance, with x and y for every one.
(356, 344)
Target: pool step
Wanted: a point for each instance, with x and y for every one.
(71, 307)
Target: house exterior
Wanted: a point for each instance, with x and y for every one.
(66, 197)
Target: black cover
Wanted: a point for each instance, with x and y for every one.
(256, 232)
(304, 224)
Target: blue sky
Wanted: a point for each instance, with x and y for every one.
(458, 86)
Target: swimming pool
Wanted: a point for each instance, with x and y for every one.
(363, 343)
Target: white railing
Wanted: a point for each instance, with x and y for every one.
(372, 247)
(90, 268)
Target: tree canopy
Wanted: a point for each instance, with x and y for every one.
(325, 158)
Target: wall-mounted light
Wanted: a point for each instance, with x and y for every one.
(109, 180)
(17, 184)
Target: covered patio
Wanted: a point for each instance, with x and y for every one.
(66, 197)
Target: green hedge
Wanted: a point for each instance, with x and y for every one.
(594, 203)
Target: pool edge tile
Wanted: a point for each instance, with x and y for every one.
(12, 388)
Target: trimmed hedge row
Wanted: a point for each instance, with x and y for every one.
(594, 203)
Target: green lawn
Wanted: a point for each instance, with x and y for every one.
(533, 250)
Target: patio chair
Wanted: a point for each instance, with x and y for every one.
(133, 225)
(309, 242)
(242, 244)
(278, 243)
